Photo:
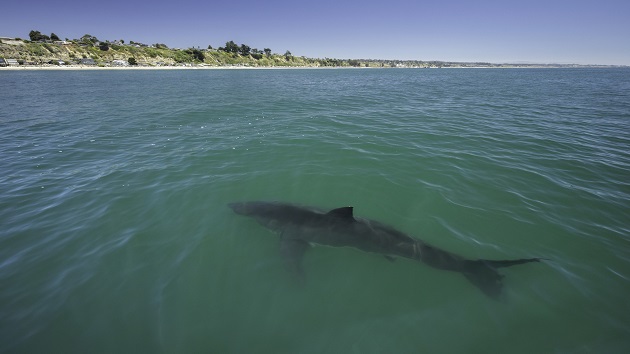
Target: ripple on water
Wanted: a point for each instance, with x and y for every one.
(113, 206)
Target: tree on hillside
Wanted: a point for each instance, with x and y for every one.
(88, 39)
(34, 35)
(54, 37)
(37, 36)
(267, 52)
(230, 47)
(244, 49)
(257, 54)
(197, 54)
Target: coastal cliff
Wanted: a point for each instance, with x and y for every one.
(107, 54)
(91, 52)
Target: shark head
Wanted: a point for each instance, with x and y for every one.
(254, 209)
(287, 212)
(240, 208)
(270, 214)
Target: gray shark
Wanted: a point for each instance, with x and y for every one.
(301, 226)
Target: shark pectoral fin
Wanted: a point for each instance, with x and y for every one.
(292, 251)
(487, 279)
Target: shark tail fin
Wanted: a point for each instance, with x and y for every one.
(484, 275)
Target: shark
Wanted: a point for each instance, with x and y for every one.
(300, 227)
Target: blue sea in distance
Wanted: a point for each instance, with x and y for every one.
(116, 236)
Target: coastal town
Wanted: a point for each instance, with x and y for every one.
(52, 52)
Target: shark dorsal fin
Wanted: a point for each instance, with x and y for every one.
(343, 213)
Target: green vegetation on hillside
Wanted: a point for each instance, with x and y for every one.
(42, 49)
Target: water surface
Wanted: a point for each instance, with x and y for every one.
(116, 237)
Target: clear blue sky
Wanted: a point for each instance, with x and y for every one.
(539, 31)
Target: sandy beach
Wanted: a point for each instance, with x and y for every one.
(198, 67)
(80, 67)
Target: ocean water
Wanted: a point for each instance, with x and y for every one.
(115, 236)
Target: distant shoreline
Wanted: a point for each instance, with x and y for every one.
(208, 67)
(89, 53)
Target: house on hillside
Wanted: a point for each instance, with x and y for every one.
(3, 62)
(87, 61)
(120, 63)
(11, 62)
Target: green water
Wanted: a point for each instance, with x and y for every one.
(115, 236)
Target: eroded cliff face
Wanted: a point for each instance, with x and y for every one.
(41, 53)
(37, 53)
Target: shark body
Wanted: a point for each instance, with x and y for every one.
(301, 226)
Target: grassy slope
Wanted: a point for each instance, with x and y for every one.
(40, 53)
